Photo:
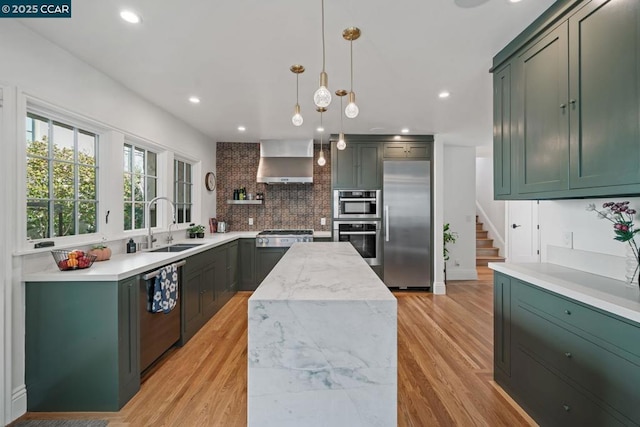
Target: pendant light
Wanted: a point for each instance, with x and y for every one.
(297, 119)
(352, 110)
(322, 96)
(341, 144)
(321, 159)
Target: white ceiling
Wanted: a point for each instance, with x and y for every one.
(235, 55)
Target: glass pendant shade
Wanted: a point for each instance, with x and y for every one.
(321, 160)
(297, 119)
(341, 145)
(322, 96)
(352, 110)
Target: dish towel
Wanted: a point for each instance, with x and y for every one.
(165, 290)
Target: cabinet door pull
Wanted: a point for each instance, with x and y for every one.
(567, 312)
(572, 101)
(568, 354)
(566, 407)
(563, 106)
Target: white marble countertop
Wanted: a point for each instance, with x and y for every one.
(322, 271)
(607, 294)
(121, 266)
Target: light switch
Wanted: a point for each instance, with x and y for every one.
(250, 221)
(323, 221)
(567, 239)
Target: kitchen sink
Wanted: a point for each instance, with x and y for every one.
(178, 247)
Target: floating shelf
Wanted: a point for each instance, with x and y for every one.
(244, 202)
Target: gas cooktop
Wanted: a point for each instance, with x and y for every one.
(282, 238)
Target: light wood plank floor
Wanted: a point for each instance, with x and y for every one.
(445, 368)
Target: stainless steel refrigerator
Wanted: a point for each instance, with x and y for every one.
(407, 224)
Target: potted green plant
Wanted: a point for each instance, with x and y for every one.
(196, 231)
(448, 237)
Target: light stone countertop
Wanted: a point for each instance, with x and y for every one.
(122, 266)
(610, 295)
(322, 271)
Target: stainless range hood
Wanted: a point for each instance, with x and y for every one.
(286, 161)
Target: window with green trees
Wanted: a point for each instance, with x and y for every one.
(140, 186)
(62, 179)
(183, 185)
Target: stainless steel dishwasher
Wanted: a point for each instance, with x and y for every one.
(158, 331)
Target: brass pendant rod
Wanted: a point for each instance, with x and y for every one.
(351, 45)
(323, 49)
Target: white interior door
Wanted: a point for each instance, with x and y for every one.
(523, 234)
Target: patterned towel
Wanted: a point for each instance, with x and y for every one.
(164, 295)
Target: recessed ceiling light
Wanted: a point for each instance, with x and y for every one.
(514, 1)
(242, 128)
(444, 94)
(397, 137)
(194, 100)
(130, 17)
(404, 130)
(320, 129)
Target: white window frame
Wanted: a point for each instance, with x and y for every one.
(77, 125)
(135, 145)
(188, 185)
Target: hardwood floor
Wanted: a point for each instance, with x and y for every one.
(445, 368)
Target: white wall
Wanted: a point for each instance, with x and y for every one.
(31, 68)
(594, 249)
(491, 212)
(459, 199)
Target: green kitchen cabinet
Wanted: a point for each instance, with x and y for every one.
(406, 150)
(81, 345)
(358, 166)
(563, 361)
(198, 294)
(266, 259)
(502, 131)
(502, 325)
(575, 101)
(247, 265)
(541, 111)
(226, 262)
(604, 96)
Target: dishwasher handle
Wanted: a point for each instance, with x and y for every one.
(156, 272)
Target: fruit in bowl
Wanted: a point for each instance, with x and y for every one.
(72, 260)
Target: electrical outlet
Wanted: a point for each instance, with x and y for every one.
(567, 239)
(323, 221)
(457, 263)
(250, 221)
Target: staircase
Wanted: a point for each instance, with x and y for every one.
(485, 252)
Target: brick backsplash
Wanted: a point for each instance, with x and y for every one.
(285, 205)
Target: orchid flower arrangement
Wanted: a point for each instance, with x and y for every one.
(621, 215)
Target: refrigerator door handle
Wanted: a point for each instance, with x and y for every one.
(386, 223)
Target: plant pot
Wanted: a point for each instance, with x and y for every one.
(192, 235)
(200, 235)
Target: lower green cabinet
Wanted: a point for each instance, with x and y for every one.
(247, 265)
(564, 362)
(266, 259)
(81, 345)
(210, 280)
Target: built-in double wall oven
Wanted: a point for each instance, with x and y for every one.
(357, 219)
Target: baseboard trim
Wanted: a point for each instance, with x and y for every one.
(439, 288)
(462, 274)
(18, 402)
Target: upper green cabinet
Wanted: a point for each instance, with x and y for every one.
(502, 130)
(604, 95)
(406, 150)
(567, 104)
(359, 165)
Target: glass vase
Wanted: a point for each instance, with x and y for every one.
(631, 268)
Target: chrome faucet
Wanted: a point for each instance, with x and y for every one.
(150, 238)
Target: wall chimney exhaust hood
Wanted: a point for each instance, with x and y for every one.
(286, 161)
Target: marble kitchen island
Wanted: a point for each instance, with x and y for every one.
(322, 342)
